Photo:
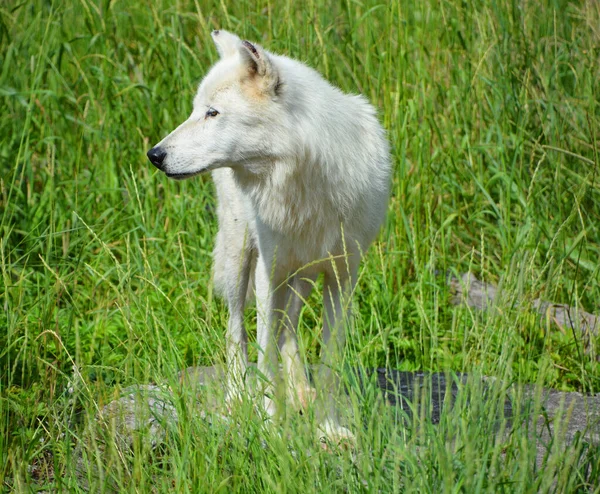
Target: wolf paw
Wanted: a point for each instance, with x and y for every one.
(331, 434)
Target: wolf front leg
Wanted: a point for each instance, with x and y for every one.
(238, 271)
(270, 303)
(338, 286)
(279, 304)
(298, 390)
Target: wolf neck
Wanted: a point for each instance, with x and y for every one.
(283, 199)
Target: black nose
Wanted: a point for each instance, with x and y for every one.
(156, 156)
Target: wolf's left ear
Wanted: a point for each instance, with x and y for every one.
(260, 67)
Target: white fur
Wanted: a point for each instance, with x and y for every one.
(302, 173)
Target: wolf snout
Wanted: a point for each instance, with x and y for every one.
(157, 156)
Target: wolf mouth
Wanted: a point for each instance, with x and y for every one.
(181, 176)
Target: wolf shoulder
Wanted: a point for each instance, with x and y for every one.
(348, 124)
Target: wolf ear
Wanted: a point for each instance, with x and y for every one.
(259, 67)
(227, 43)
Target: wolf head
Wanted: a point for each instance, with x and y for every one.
(237, 119)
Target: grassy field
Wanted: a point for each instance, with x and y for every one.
(493, 112)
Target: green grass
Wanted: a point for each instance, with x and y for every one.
(492, 110)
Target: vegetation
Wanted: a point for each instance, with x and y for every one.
(493, 112)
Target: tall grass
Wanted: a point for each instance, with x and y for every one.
(492, 110)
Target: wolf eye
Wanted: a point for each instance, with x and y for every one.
(211, 113)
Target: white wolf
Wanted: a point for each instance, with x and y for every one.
(302, 173)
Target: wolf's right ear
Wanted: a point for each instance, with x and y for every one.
(227, 43)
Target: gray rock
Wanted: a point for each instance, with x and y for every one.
(468, 290)
(149, 409)
(145, 409)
